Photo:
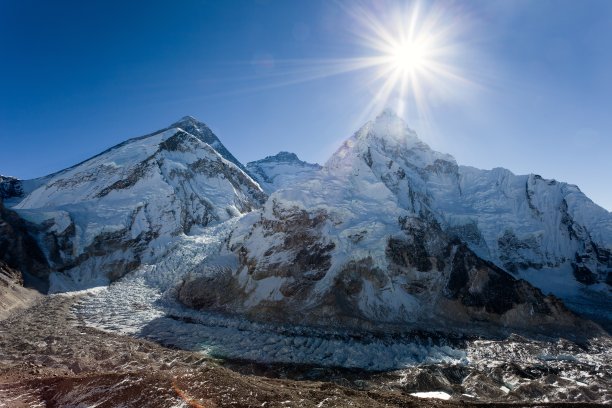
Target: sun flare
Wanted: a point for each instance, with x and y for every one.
(408, 57)
(413, 55)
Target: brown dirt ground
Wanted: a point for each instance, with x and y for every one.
(49, 359)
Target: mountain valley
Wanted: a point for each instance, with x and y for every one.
(388, 276)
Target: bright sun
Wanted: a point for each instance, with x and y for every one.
(408, 57)
(414, 54)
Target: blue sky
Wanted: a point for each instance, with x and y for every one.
(79, 76)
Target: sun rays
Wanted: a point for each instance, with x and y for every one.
(413, 53)
(405, 56)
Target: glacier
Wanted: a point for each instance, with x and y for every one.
(390, 257)
(371, 238)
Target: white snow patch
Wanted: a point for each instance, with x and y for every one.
(432, 394)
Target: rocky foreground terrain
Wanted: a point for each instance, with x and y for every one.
(175, 276)
(48, 358)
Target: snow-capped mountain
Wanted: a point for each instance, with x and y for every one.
(281, 170)
(544, 231)
(103, 217)
(391, 256)
(388, 231)
(13, 189)
(198, 129)
(392, 231)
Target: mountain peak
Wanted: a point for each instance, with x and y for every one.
(389, 123)
(282, 156)
(201, 131)
(286, 156)
(388, 113)
(390, 137)
(187, 121)
(282, 170)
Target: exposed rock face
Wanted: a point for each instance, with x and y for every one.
(13, 295)
(281, 170)
(544, 231)
(19, 252)
(9, 275)
(389, 231)
(198, 129)
(290, 269)
(344, 249)
(102, 218)
(19, 256)
(10, 187)
(435, 283)
(487, 293)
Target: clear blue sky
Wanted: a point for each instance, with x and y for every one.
(79, 76)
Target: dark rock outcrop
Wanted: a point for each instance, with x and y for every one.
(285, 272)
(21, 262)
(19, 250)
(200, 130)
(10, 187)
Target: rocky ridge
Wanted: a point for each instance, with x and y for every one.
(388, 242)
(20, 257)
(102, 218)
(281, 170)
(382, 235)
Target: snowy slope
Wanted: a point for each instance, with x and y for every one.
(281, 170)
(105, 216)
(199, 129)
(13, 190)
(545, 231)
(372, 238)
(389, 231)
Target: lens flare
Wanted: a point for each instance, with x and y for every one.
(414, 54)
(409, 56)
